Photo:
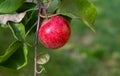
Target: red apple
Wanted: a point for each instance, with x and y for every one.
(54, 32)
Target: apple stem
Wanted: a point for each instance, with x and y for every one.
(48, 16)
(36, 40)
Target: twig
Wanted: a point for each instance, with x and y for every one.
(36, 41)
(41, 9)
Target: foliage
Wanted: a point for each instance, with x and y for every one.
(20, 17)
(86, 53)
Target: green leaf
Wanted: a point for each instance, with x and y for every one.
(30, 20)
(3, 25)
(1, 1)
(26, 6)
(44, 1)
(15, 56)
(10, 6)
(53, 6)
(11, 49)
(18, 30)
(79, 9)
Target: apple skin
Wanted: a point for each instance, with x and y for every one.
(54, 32)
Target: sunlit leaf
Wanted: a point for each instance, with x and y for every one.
(18, 30)
(41, 69)
(79, 9)
(15, 57)
(11, 17)
(43, 58)
(9, 6)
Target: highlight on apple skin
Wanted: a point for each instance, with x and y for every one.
(54, 32)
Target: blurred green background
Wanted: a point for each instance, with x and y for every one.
(86, 53)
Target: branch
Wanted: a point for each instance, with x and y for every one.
(41, 8)
(36, 41)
